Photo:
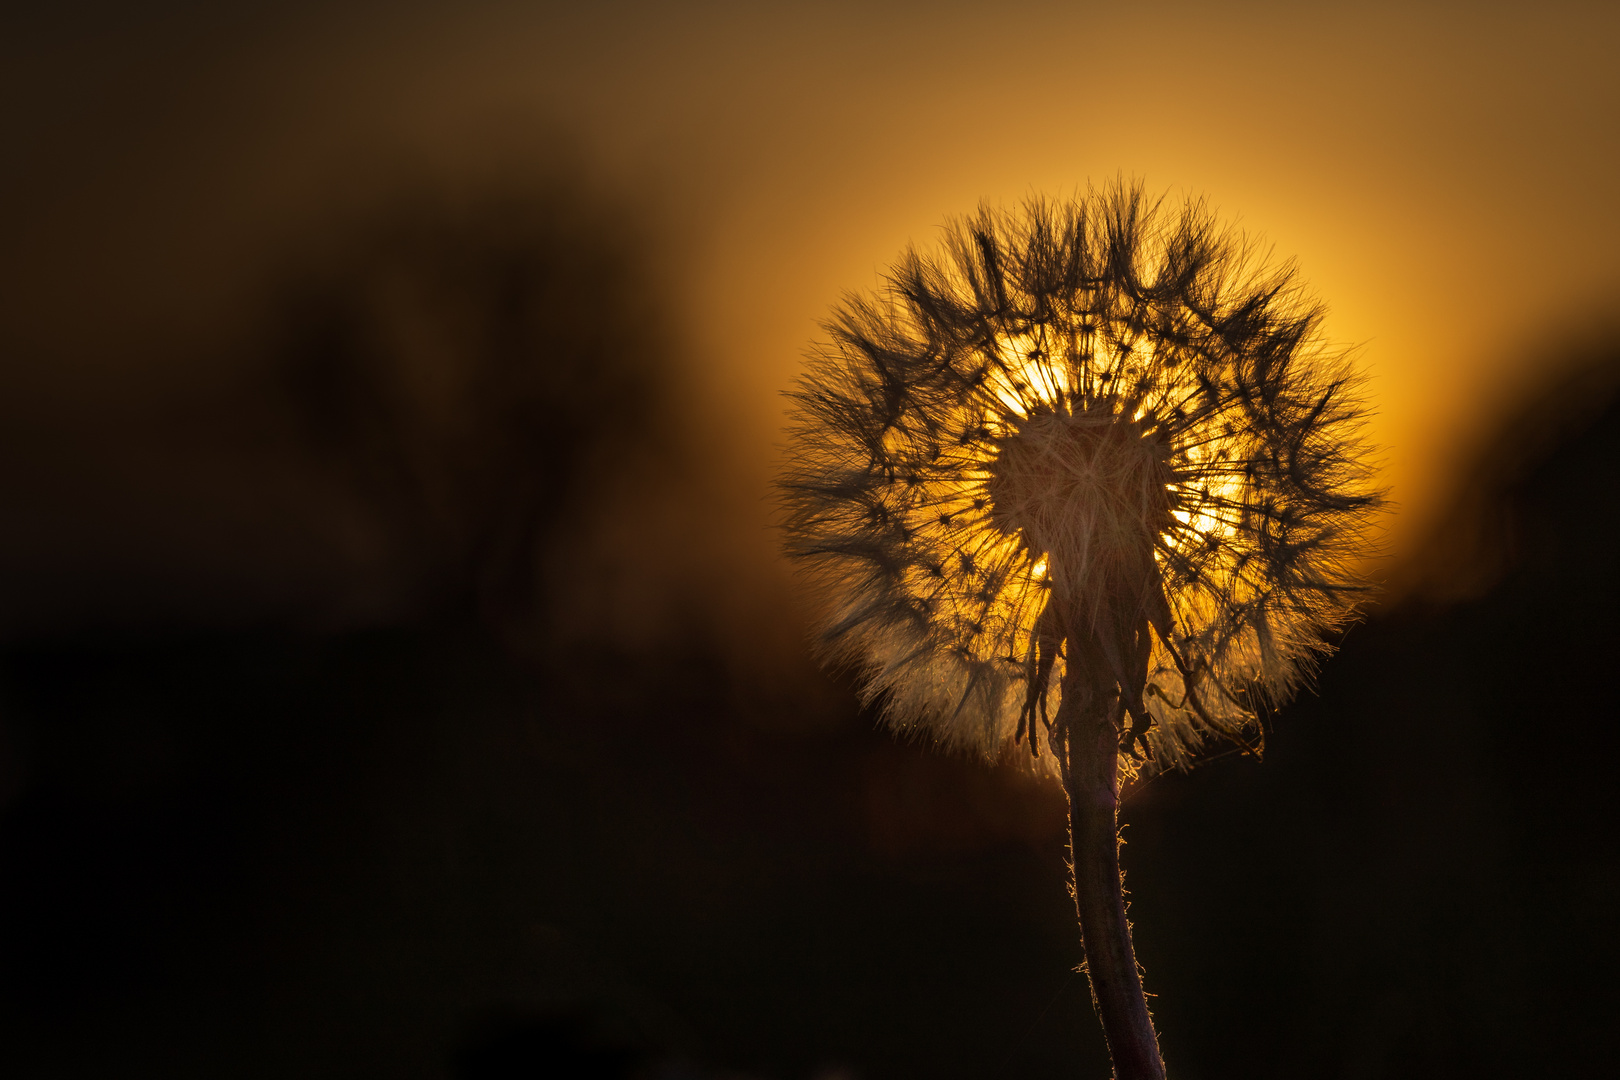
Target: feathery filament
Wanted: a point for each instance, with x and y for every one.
(1095, 432)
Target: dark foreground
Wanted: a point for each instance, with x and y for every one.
(413, 852)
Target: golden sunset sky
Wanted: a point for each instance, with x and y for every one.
(1444, 175)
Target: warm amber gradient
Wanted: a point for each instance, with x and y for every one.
(1445, 178)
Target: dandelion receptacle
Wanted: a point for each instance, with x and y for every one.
(1084, 486)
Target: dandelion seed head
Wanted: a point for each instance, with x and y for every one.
(1091, 423)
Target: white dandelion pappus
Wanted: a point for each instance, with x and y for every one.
(1093, 434)
(1090, 475)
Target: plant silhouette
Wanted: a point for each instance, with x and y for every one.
(1087, 482)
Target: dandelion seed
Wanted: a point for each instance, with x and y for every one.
(1121, 458)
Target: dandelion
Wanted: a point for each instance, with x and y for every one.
(1087, 484)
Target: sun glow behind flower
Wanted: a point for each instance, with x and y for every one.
(1034, 379)
(1095, 419)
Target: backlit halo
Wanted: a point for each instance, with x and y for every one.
(1080, 402)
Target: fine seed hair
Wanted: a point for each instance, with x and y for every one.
(1095, 416)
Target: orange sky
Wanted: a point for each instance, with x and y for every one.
(1444, 177)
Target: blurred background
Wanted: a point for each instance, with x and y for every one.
(397, 674)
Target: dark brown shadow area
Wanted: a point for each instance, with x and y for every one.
(369, 709)
(408, 413)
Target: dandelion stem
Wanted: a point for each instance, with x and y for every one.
(1094, 435)
(1093, 788)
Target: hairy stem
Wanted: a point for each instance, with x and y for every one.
(1093, 788)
